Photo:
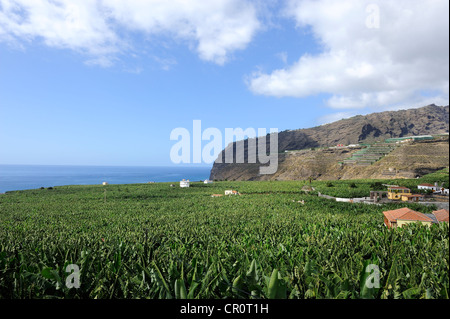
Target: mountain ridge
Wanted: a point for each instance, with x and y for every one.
(427, 120)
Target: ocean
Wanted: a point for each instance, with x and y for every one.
(21, 177)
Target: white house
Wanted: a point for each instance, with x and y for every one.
(207, 181)
(105, 183)
(184, 183)
(427, 186)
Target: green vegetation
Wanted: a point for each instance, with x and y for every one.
(370, 154)
(439, 176)
(157, 241)
(362, 187)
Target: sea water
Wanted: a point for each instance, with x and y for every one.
(20, 177)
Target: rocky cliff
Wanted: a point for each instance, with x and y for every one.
(300, 162)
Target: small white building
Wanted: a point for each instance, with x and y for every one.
(427, 186)
(105, 183)
(443, 191)
(231, 192)
(184, 183)
(207, 181)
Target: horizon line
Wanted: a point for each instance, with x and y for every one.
(97, 165)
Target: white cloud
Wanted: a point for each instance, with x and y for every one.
(367, 67)
(60, 24)
(100, 29)
(217, 27)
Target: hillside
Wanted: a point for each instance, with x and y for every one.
(407, 161)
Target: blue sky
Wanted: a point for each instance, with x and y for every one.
(79, 90)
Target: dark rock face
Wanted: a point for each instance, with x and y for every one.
(369, 131)
(430, 119)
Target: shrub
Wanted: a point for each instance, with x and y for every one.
(376, 186)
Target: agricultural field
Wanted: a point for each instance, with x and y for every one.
(362, 187)
(156, 241)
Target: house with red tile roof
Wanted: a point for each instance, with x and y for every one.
(441, 215)
(402, 216)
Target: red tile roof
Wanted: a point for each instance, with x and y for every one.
(426, 184)
(441, 215)
(415, 216)
(405, 214)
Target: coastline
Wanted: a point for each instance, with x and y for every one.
(27, 177)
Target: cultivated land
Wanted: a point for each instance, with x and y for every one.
(407, 160)
(305, 153)
(157, 241)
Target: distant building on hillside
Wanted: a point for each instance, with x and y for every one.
(409, 138)
(184, 183)
(403, 194)
(396, 192)
(208, 181)
(427, 186)
(434, 188)
(105, 183)
(412, 198)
